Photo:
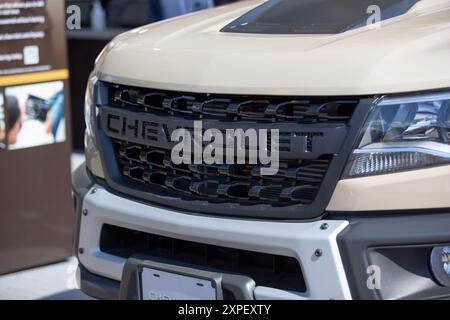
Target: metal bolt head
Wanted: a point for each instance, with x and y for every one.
(94, 191)
(81, 251)
(85, 212)
(318, 253)
(324, 226)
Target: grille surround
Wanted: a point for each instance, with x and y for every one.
(337, 153)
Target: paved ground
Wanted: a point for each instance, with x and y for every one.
(53, 282)
(76, 160)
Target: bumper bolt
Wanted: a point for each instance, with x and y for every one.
(318, 253)
(325, 226)
(81, 251)
(94, 191)
(85, 212)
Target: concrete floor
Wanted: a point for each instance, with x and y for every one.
(53, 282)
(76, 160)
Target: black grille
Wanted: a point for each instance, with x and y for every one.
(279, 272)
(312, 130)
(296, 181)
(195, 106)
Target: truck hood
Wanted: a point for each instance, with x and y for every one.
(407, 53)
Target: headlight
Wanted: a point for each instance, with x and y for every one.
(403, 133)
(93, 160)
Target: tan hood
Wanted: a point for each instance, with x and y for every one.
(408, 53)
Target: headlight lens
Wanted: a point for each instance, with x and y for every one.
(93, 160)
(403, 134)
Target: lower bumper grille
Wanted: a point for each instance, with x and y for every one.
(266, 270)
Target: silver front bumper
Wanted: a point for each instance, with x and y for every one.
(324, 276)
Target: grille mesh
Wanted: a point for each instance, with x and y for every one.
(272, 109)
(296, 181)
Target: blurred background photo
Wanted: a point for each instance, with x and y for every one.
(35, 115)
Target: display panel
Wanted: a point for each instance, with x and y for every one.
(35, 160)
(40, 116)
(30, 35)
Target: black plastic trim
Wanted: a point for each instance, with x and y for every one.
(105, 186)
(98, 287)
(401, 247)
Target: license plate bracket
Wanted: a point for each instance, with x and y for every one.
(157, 284)
(145, 279)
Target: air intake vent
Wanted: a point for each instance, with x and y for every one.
(233, 108)
(296, 181)
(267, 270)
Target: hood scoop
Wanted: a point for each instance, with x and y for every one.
(314, 16)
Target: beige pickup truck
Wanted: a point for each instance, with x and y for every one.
(358, 94)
